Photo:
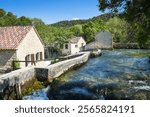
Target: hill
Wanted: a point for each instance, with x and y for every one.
(69, 23)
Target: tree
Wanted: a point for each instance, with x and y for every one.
(2, 13)
(134, 11)
(10, 19)
(24, 21)
(37, 22)
(118, 28)
(76, 30)
(89, 32)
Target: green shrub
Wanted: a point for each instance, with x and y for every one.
(16, 64)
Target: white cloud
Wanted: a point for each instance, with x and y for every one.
(75, 19)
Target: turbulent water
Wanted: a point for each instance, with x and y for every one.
(114, 75)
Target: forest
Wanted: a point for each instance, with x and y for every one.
(129, 26)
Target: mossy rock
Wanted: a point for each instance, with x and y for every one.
(30, 86)
(140, 95)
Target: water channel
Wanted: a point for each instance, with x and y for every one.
(114, 75)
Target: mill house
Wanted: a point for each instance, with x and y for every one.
(22, 44)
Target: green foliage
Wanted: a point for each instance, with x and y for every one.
(37, 22)
(139, 54)
(76, 30)
(16, 65)
(69, 23)
(118, 28)
(2, 13)
(123, 31)
(54, 36)
(24, 21)
(89, 30)
(135, 12)
(66, 23)
(9, 19)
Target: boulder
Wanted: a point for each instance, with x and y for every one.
(95, 53)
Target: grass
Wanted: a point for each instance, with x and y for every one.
(140, 54)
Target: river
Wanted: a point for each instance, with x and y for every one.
(114, 75)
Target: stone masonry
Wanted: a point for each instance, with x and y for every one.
(13, 81)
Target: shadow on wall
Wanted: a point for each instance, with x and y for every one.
(6, 56)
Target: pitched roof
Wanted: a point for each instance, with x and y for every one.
(11, 37)
(75, 39)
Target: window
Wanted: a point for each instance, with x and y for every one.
(82, 44)
(76, 46)
(66, 46)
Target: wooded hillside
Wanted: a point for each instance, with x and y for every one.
(54, 35)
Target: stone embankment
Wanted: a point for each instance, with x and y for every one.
(55, 70)
(11, 84)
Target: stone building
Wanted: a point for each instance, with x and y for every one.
(75, 45)
(22, 44)
(103, 40)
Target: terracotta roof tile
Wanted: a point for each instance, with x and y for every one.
(10, 37)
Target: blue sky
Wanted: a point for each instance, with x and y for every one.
(51, 11)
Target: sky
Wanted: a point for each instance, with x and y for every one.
(51, 11)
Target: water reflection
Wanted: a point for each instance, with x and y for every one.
(114, 75)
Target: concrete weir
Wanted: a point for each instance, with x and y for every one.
(11, 84)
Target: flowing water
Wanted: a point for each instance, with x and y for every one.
(114, 75)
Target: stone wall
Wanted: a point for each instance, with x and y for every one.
(11, 83)
(59, 68)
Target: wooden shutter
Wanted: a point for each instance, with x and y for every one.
(26, 59)
(41, 56)
(32, 59)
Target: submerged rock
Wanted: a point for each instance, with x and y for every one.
(75, 94)
(79, 90)
(95, 53)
